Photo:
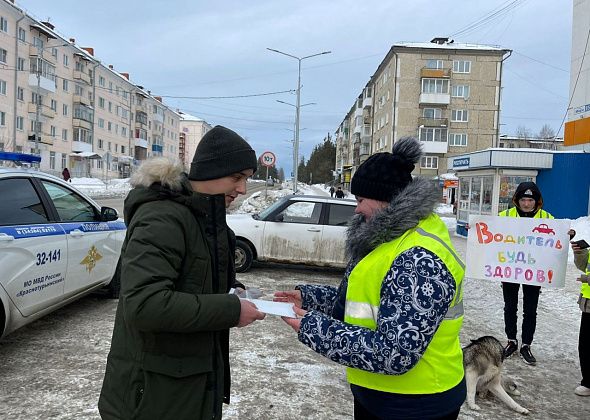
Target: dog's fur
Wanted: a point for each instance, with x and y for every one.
(482, 360)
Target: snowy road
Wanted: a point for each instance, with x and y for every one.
(53, 368)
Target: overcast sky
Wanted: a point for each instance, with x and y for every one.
(218, 48)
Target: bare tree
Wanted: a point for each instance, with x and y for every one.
(546, 132)
(523, 132)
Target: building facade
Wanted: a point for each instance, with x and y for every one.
(445, 94)
(59, 101)
(577, 128)
(192, 130)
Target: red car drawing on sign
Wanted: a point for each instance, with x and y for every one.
(543, 228)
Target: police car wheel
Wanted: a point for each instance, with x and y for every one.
(243, 257)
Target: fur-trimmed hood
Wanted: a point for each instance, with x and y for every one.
(405, 210)
(157, 179)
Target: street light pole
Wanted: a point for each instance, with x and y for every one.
(297, 109)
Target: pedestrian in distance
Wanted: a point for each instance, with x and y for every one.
(332, 191)
(169, 356)
(339, 193)
(66, 175)
(395, 319)
(582, 261)
(528, 202)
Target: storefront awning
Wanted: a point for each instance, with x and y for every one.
(86, 155)
(125, 159)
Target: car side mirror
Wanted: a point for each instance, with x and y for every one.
(279, 217)
(108, 214)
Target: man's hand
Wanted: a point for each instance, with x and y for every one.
(295, 323)
(584, 278)
(248, 313)
(289, 296)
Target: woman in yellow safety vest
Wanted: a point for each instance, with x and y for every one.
(395, 319)
(582, 261)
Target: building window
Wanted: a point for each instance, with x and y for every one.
(3, 24)
(434, 64)
(82, 135)
(461, 66)
(2, 118)
(460, 91)
(457, 139)
(64, 134)
(78, 90)
(99, 164)
(459, 115)
(20, 64)
(122, 149)
(65, 109)
(100, 145)
(124, 131)
(435, 86)
(2, 87)
(20, 93)
(22, 34)
(100, 123)
(109, 126)
(66, 61)
(51, 160)
(110, 146)
(53, 131)
(432, 113)
(20, 123)
(63, 161)
(101, 81)
(54, 104)
(65, 85)
(54, 52)
(3, 54)
(101, 102)
(433, 134)
(429, 162)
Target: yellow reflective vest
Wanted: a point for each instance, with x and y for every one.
(585, 289)
(441, 365)
(512, 212)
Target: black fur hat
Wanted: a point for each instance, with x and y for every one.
(383, 175)
(221, 152)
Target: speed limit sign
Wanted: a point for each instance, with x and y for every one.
(268, 159)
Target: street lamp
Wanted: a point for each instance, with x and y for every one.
(297, 108)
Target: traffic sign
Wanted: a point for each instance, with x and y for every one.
(268, 159)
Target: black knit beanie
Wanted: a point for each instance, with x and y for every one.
(383, 175)
(221, 152)
(527, 189)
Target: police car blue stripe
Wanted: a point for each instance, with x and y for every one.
(51, 229)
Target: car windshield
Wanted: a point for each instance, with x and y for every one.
(264, 213)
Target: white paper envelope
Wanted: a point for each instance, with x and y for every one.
(274, 308)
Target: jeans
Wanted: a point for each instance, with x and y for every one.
(529, 310)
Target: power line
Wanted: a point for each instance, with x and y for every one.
(489, 17)
(227, 97)
(541, 62)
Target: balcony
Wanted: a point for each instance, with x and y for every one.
(433, 122)
(435, 98)
(365, 149)
(157, 148)
(357, 129)
(141, 108)
(143, 143)
(435, 146)
(45, 111)
(367, 116)
(81, 146)
(159, 118)
(47, 56)
(46, 84)
(78, 75)
(367, 102)
(435, 73)
(79, 99)
(80, 123)
(358, 112)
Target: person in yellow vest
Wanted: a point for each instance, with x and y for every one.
(394, 321)
(582, 261)
(528, 202)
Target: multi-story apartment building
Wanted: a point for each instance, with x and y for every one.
(192, 130)
(58, 100)
(445, 94)
(515, 142)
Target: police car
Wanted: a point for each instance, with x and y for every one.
(56, 244)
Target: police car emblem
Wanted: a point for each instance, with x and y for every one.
(91, 259)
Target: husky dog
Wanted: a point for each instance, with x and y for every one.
(482, 360)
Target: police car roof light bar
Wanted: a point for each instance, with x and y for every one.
(19, 157)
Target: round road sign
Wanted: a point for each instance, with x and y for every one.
(268, 159)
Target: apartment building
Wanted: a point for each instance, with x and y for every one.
(59, 101)
(192, 130)
(443, 93)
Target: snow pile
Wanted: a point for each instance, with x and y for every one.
(94, 187)
(259, 201)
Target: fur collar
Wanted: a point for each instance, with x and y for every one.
(405, 210)
(159, 170)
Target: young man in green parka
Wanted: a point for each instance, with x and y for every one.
(169, 351)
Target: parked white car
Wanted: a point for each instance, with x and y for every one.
(56, 245)
(297, 229)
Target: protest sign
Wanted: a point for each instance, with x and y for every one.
(518, 250)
